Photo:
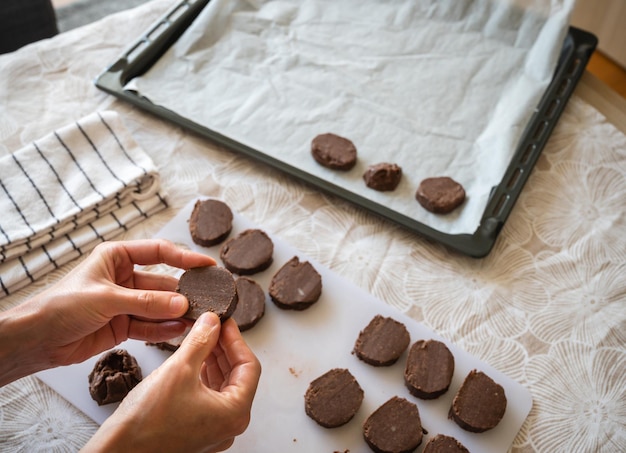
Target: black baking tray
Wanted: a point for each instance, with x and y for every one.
(577, 48)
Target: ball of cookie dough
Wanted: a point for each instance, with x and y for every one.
(114, 375)
(383, 177)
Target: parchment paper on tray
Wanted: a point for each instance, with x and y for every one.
(439, 87)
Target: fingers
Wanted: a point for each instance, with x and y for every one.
(155, 332)
(241, 369)
(148, 304)
(215, 370)
(151, 295)
(150, 280)
(156, 251)
(201, 340)
(225, 445)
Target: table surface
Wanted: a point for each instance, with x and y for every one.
(547, 307)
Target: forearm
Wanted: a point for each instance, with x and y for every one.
(20, 348)
(110, 437)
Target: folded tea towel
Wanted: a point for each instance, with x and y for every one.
(68, 191)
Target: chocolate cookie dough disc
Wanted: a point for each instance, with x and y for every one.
(333, 398)
(210, 223)
(333, 151)
(440, 195)
(382, 341)
(395, 427)
(444, 444)
(209, 288)
(114, 375)
(480, 403)
(429, 369)
(296, 285)
(173, 344)
(251, 304)
(383, 177)
(248, 253)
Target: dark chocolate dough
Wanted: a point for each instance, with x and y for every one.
(209, 288)
(429, 369)
(480, 403)
(383, 177)
(333, 151)
(333, 398)
(395, 427)
(382, 341)
(440, 195)
(296, 285)
(210, 223)
(114, 375)
(173, 344)
(248, 253)
(444, 444)
(251, 306)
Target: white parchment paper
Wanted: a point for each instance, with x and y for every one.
(440, 87)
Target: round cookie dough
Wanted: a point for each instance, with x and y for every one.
(173, 344)
(395, 427)
(480, 403)
(444, 444)
(114, 375)
(333, 151)
(210, 223)
(333, 398)
(248, 253)
(383, 176)
(429, 369)
(209, 288)
(296, 285)
(382, 341)
(440, 195)
(251, 306)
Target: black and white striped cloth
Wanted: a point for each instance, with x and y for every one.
(68, 191)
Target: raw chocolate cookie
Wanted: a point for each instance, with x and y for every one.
(248, 253)
(251, 305)
(333, 151)
(480, 403)
(382, 341)
(208, 288)
(383, 177)
(114, 375)
(210, 223)
(429, 369)
(173, 344)
(440, 195)
(395, 427)
(333, 398)
(444, 444)
(296, 285)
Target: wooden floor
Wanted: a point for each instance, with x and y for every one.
(609, 72)
(599, 65)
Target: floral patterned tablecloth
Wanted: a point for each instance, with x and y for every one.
(547, 306)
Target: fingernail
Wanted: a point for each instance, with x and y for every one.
(208, 319)
(178, 304)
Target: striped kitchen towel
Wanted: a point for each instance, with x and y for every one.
(68, 191)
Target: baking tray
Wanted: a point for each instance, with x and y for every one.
(577, 49)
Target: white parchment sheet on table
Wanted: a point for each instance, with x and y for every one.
(440, 87)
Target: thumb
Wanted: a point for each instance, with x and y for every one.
(201, 339)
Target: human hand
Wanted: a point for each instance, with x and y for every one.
(100, 303)
(198, 400)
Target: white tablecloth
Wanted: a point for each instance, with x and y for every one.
(547, 306)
